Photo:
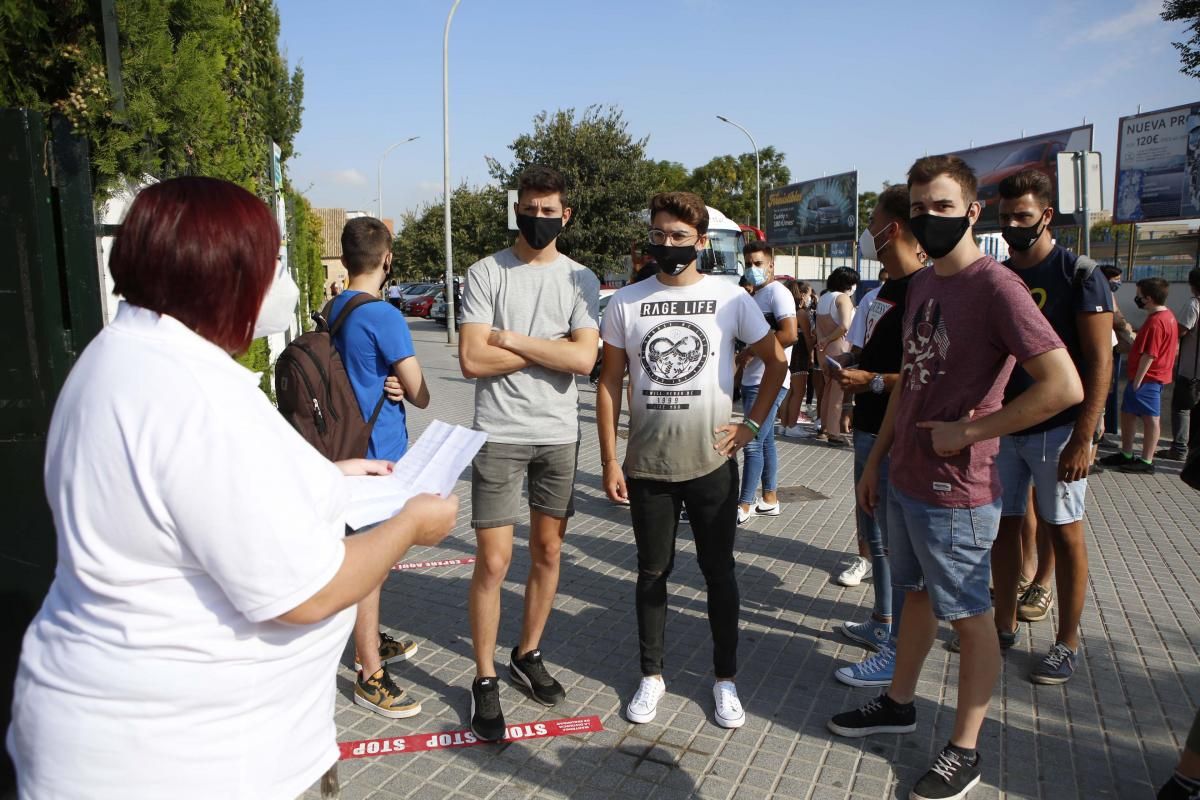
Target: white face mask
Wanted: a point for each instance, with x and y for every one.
(866, 245)
(278, 311)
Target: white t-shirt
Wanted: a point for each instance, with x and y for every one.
(679, 343)
(776, 304)
(857, 335)
(393, 293)
(189, 516)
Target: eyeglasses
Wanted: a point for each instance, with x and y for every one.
(676, 238)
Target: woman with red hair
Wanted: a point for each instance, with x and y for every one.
(204, 591)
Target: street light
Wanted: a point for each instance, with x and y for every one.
(757, 173)
(379, 175)
(451, 334)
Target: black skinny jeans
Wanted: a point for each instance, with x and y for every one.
(712, 510)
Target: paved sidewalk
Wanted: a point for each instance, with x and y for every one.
(1114, 731)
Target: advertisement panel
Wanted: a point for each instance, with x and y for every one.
(819, 210)
(995, 162)
(1158, 165)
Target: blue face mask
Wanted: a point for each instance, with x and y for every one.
(756, 275)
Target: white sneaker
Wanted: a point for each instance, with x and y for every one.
(644, 704)
(762, 509)
(729, 709)
(744, 516)
(853, 575)
(797, 431)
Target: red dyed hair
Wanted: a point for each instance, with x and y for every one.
(201, 250)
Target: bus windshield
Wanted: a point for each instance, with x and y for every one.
(723, 256)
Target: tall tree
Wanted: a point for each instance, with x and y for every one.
(1189, 51)
(727, 182)
(607, 179)
(479, 226)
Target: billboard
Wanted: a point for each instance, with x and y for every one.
(820, 210)
(995, 162)
(1158, 165)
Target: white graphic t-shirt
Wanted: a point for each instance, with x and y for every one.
(776, 304)
(679, 342)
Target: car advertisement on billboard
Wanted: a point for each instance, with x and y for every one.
(1158, 165)
(995, 162)
(809, 212)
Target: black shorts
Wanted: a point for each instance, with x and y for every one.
(801, 359)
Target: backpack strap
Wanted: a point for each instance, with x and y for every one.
(1084, 267)
(357, 301)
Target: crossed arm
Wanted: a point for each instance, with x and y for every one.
(487, 353)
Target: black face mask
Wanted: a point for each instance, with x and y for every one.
(939, 235)
(671, 260)
(539, 231)
(1022, 239)
(1114, 285)
(1140, 301)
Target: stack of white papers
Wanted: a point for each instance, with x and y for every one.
(431, 466)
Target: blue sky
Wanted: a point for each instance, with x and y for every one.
(835, 86)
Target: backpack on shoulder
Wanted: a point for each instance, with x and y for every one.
(314, 392)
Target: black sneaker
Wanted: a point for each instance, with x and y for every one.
(487, 720)
(1137, 466)
(880, 715)
(531, 673)
(1117, 459)
(950, 777)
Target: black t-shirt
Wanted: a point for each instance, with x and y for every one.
(1052, 285)
(883, 350)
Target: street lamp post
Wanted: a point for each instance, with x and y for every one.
(451, 333)
(757, 172)
(379, 175)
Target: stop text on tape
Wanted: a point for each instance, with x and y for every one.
(421, 742)
(441, 562)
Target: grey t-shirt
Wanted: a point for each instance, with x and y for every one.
(679, 344)
(533, 405)
(1187, 344)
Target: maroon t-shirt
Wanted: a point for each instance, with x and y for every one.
(962, 336)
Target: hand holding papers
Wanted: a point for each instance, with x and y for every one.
(431, 466)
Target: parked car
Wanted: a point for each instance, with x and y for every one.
(419, 303)
(438, 312)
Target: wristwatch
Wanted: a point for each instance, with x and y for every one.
(877, 385)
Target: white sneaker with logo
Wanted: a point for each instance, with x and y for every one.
(729, 710)
(644, 705)
(853, 575)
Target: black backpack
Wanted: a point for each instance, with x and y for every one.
(314, 392)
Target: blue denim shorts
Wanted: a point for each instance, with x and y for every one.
(944, 551)
(1034, 459)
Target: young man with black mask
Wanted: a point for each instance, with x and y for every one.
(529, 326)
(1053, 456)
(967, 318)
(889, 239)
(676, 333)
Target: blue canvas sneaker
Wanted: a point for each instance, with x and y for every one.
(870, 634)
(874, 671)
(1057, 667)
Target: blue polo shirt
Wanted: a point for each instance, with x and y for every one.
(373, 339)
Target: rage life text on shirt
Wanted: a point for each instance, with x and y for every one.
(678, 308)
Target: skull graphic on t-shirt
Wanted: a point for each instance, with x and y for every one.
(926, 345)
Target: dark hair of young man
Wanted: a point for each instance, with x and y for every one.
(924, 170)
(365, 241)
(894, 202)
(684, 206)
(1194, 278)
(540, 179)
(758, 246)
(1154, 289)
(842, 279)
(201, 250)
(1028, 181)
(1110, 271)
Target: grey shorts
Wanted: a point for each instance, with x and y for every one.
(496, 478)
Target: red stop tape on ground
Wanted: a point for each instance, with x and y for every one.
(420, 742)
(441, 562)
